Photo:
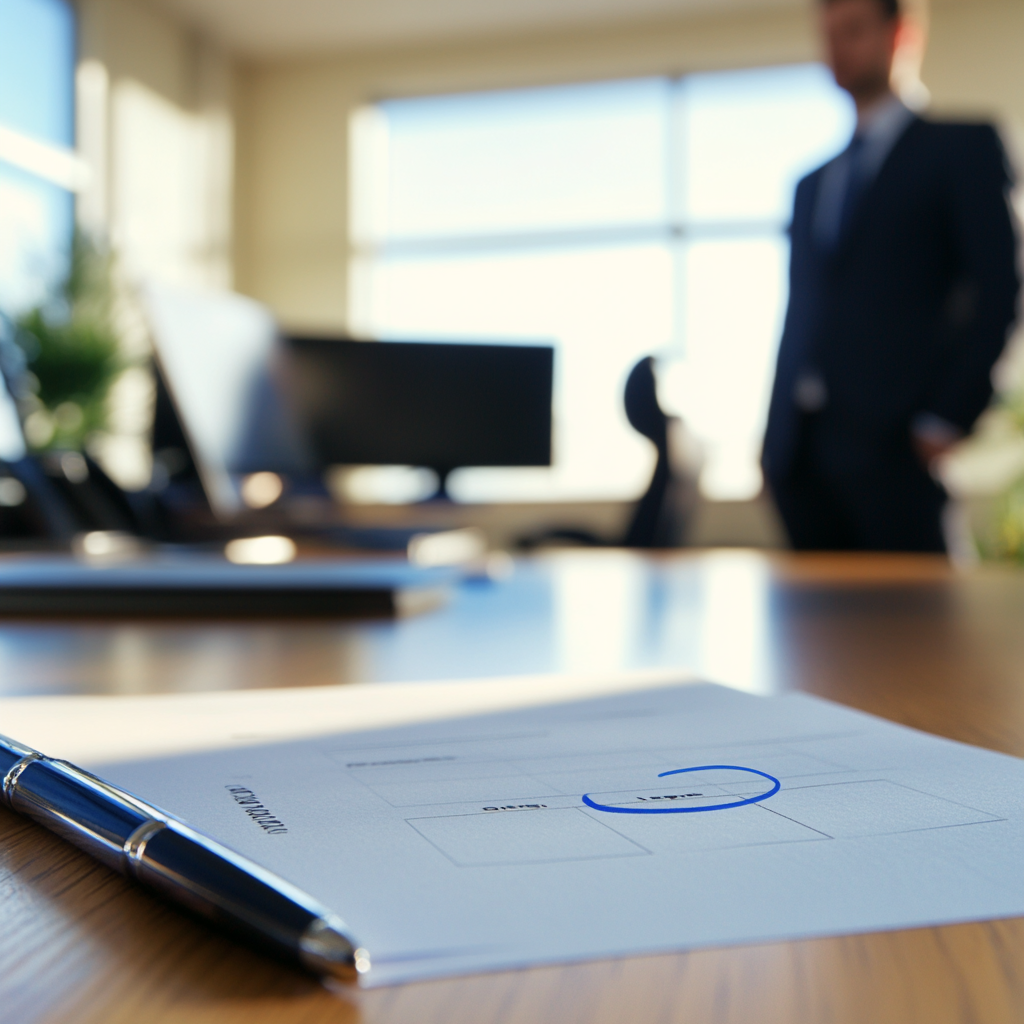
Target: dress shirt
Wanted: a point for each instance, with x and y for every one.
(880, 129)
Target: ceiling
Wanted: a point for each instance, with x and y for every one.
(268, 28)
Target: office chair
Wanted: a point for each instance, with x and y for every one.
(650, 526)
(662, 514)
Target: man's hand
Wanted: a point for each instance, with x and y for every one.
(932, 437)
(928, 449)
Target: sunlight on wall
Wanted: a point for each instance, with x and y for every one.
(167, 215)
(155, 126)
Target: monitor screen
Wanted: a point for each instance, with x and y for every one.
(423, 403)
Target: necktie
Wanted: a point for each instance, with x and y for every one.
(854, 183)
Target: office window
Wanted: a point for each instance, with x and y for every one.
(37, 166)
(614, 219)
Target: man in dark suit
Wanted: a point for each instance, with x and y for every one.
(903, 286)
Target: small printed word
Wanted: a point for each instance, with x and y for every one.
(692, 808)
(517, 807)
(670, 796)
(250, 803)
(406, 760)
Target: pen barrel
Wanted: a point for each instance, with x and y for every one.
(79, 808)
(187, 867)
(215, 882)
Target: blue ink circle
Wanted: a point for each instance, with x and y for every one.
(693, 810)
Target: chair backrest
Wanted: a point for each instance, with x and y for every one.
(648, 528)
(662, 516)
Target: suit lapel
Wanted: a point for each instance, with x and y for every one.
(878, 183)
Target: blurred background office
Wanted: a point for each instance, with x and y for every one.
(614, 179)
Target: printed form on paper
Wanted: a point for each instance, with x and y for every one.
(661, 818)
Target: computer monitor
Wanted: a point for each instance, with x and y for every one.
(438, 405)
(221, 358)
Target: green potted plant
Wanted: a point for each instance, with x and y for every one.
(985, 474)
(72, 353)
(1007, 539)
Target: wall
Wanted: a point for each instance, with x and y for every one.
(975, 63)
(156, 124)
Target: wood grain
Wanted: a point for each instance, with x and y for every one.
(906, 638)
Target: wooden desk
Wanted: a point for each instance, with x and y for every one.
(906, 638)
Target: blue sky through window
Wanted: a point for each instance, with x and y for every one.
(37, 68)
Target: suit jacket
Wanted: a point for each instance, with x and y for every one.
(910, 310)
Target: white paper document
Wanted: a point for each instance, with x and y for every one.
(658, 819)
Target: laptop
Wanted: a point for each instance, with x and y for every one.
(125, 577)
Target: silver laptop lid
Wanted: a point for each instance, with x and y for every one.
(12, 441)
(222, 361)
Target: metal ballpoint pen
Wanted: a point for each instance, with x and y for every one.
(184, 865)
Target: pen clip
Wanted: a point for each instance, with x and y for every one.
(135, 844)
(14, 773)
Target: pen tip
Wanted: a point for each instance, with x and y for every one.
(328, 951)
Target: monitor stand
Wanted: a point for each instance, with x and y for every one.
(441, 494)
